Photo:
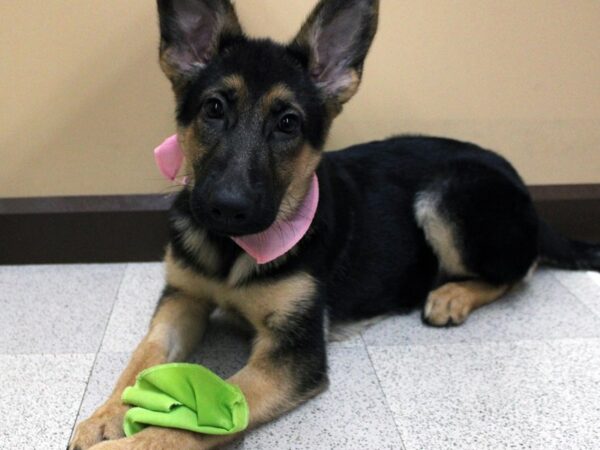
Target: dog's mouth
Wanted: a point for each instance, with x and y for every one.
(237, 232)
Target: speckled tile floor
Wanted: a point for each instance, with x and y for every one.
(523, 372)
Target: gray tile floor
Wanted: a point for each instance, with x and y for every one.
(523, 372)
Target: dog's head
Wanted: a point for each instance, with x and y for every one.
(252, 114)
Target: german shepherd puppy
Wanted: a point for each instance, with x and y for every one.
(400, 223)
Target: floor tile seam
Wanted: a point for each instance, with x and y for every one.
(482, 342)
(87, 383)
(579, 300)
(98, 349)
(79, 355)
(110, 315)
(385, 397)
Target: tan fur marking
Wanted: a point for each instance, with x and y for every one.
(278, 92)
(256, 302)
(237, 83)
(192, 150)
(300, 171)
(171, 71)
(440, 233)
(268, 388)
(245, 266)
(242, 268)
(195, 241)
(453, 302)
(350, 84)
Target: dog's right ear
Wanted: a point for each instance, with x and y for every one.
(191, 32)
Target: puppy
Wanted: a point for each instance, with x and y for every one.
(271, 229)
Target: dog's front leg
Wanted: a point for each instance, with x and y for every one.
(287, 366)
(177, 326)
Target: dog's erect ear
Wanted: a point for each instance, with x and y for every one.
(337, 36)
(191, 32)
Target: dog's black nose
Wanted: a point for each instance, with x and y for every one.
(230, 207)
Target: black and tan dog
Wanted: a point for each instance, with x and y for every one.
(405, 222)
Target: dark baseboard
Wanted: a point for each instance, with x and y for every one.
(573, 209)
(134, 227)
(83, 229)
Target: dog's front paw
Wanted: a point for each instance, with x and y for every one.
(105, 424)
(155, 438)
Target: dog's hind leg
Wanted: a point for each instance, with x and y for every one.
(484, 231)
(176, 328)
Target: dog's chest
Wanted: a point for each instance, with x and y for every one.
(262, 303)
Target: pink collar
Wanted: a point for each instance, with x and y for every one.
(267, 245)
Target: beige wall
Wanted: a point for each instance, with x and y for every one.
(82, 101)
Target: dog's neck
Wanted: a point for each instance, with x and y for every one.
(269, 244)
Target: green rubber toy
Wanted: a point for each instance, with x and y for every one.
(185, 396)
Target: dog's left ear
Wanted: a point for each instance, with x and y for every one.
(336, 38)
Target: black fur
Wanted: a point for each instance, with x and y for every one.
(365, 246)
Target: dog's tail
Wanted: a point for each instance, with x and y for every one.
(561, 252)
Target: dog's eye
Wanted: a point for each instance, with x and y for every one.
(289, 123)
(213, 108)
